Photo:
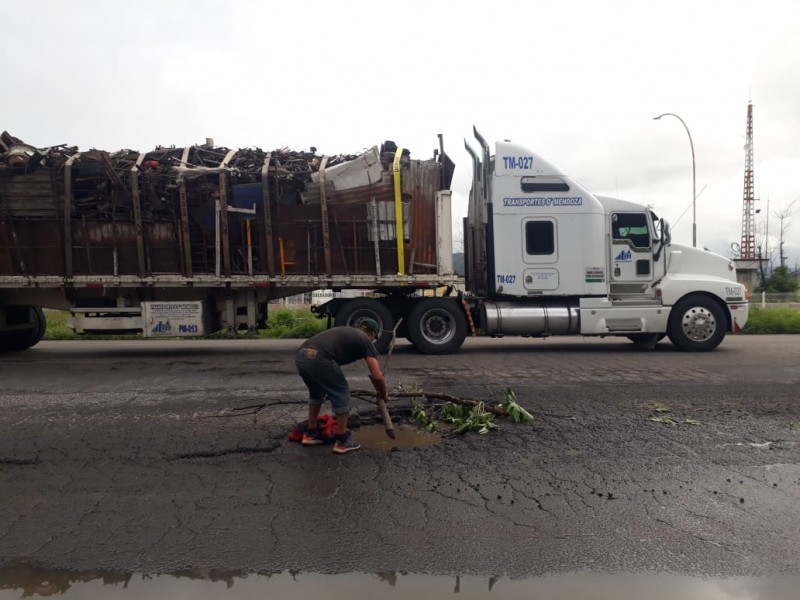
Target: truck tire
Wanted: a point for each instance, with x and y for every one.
(15, 341)
(437, 326)
(351, 313)
(697, 324)
(646, 339)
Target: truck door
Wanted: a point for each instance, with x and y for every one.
(631, 252)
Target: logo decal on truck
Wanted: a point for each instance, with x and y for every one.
(575, 201)
(624, 256)
(161, 327)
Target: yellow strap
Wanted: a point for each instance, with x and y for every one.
(398, 213)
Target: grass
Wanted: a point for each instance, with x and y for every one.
(784, 319)
(57, 329)
(282, 323)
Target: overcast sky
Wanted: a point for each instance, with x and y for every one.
(577, 81)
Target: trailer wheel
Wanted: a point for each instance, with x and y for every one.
(696, 324)
(353, 311)
(15, 341)
(42, 324)
(437, 326)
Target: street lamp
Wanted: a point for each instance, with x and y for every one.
(694, 176)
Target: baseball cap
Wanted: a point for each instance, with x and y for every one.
(369, 325)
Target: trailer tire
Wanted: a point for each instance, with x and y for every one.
(696, 324)
(437, 326)
(42, 324)
(15, 341)
(351, 313)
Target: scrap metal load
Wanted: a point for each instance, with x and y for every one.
(211, 211)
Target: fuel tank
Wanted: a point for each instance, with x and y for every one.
(535, 318)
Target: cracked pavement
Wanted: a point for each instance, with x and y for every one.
(118, 456)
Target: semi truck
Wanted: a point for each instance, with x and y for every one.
(182, 242)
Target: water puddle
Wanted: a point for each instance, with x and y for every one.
(26, 582)
(406, 436)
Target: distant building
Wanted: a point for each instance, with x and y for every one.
(749, 272)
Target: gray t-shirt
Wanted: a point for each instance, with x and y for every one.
(342, 345)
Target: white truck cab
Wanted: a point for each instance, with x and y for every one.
(549, 257)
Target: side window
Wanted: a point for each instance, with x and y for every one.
(632, 227)
(539, 238)
(531, 185)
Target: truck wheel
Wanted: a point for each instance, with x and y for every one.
(437, 326)
(696, 324)
(646, 339)
(353, 311)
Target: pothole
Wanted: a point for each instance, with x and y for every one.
(406, 436)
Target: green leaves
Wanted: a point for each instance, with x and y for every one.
(418, 413)
(515, 412)
(461, 418)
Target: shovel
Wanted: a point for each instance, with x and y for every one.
(387, 419)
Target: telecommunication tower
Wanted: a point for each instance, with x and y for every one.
(748, 247)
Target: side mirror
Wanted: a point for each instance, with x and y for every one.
(664, 237)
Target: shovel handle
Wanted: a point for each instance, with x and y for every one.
(387, 419)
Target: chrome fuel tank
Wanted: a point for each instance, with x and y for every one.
(534, 319)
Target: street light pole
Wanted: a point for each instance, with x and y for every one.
(694, 176)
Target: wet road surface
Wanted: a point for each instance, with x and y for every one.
(123, 457)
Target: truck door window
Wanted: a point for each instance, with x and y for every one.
(539, 237)
(632, 227)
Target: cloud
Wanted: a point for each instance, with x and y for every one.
(578, 81)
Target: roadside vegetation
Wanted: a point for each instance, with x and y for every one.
(782, 319)
(292, 323)
(283, 323)
(286, 323)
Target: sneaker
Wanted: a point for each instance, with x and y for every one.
(345, 444)
(313, 437)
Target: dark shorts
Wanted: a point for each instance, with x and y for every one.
(324, 379)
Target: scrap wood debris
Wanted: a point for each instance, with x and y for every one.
(370, 395)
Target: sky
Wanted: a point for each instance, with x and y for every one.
(578, 82)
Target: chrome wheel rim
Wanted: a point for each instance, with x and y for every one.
(699, 324)
(437, 326)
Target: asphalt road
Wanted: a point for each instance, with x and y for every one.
(123, 456)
